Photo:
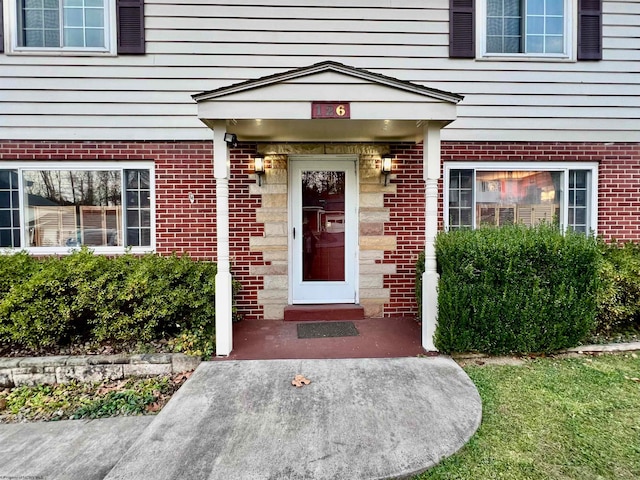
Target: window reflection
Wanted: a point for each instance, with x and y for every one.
(68, 208)
(526, 197)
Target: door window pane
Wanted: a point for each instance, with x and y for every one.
(323, 227)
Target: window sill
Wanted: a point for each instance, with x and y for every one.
(525, 58)
(37, 251)
(60, 53)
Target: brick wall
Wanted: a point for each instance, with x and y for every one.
(187, 167)
(618, 174)
(181, 168)
(407, 224)
(618, 197)
(242, 226)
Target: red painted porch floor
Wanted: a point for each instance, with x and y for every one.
(277, 339)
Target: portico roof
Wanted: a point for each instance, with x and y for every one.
(279, 107)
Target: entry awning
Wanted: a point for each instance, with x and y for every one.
(289, 106)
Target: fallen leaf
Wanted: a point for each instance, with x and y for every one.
(299, 380)
(3, 403)
(154, 407)
(181, 377)
(112, 388)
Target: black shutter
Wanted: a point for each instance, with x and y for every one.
(130, 15)
(462, 29)
(1, 29)
(590, 30)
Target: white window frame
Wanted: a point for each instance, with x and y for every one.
(12, 47)
(563, 167)
(89, 166)
(570, 37)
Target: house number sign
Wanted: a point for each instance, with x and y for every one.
(330, 110)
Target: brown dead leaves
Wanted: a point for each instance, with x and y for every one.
(299, 381)
(178, 379)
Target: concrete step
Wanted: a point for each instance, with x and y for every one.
(332, 311)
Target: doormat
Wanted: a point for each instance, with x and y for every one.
(327, 329)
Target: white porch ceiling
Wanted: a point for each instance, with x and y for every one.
(326, 130)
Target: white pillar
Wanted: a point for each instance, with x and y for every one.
(431, 171)
(224, 326)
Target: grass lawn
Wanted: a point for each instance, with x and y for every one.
(576, 418)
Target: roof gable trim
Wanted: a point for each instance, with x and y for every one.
(329, 66)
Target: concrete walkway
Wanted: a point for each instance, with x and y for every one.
(357, 419)
(66, 450)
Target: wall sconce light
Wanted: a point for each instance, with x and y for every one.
(386, 167)
(231, 139)
(259, 168)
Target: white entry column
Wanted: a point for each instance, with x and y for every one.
(431, 171)
(224, 332)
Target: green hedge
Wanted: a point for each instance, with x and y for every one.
(87, 297)
(619, 293)
(515, 289)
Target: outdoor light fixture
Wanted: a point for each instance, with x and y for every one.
(386, 167)
(231, 139)
(258, 168)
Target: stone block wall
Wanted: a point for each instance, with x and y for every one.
(272, 244)
(375, 240)
(15, 372)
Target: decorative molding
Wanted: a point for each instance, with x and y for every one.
(322, 148)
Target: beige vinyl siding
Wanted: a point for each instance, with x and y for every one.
(198, 45)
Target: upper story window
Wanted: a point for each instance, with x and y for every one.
(51, 208)
(526, 29)
(63, 24)
(526, 26)
(85, 27)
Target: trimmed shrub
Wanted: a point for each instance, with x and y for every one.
(152, 297)
(515, 289)
(16, 268)
(93, 298)
(619, 293)
(41, 310)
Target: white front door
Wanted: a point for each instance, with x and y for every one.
(324, 229)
